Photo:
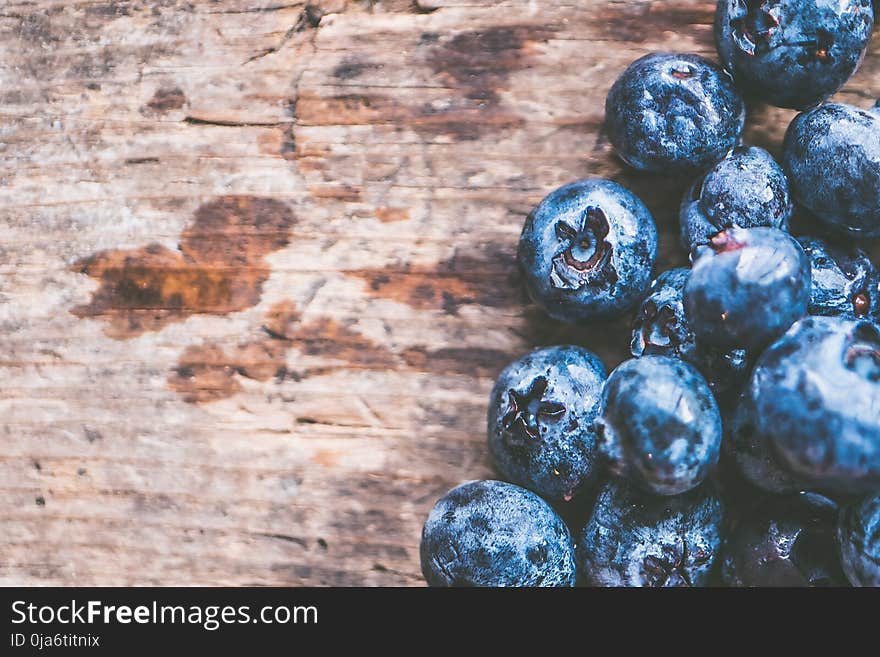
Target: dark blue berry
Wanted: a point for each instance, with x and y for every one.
(490, 533)
(814, 396)
(844, 282)
(587, 251)
(746, 189)
(658, 425)
(832, 157)
(753, 453)
(785, 541)
(858, 533)
(746, 288)
(541, 414)
(674, 113)
(661, 328)
(635, 539)
(792, 53)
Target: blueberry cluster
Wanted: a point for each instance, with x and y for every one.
(740, 445)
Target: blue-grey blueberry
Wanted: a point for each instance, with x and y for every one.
(660, 327)
(815, 396)
(674, 113)
(858, 533)
(540, 421)
(659, 426)
(792, 53)
(832, 157)
(746, 288)
(492, 534)
(636, 539)
(587, 250)
(746, 189)
(844, 281)
(787, 541)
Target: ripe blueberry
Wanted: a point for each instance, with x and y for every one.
(858, 533)
(792, 53)
(784, 541)
(674, 113)
(832, 157)
(844, 282)
(490, 533)
(753, 453)
(746, 288)
(661, 328)
(746, 189)
(541, 414)
(635, 539)
(815, 397)
(587, 251)
(658, 425)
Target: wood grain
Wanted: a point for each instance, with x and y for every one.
(257, 266)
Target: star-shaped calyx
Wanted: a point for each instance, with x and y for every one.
(526, 409)
(586, 255)
(671, 569)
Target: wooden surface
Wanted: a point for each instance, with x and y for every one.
(257, 266)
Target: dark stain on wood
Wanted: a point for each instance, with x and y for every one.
(477, 65)
(490, 279)
(109, 9)
(311, 17)
(479, 62)
(328, 338)
(351, 68)
(466, 361)
(348, 109)
(166, 99)
(218, 268)
(641, 22)
(209, 372)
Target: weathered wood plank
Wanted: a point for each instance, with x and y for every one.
(257, 266)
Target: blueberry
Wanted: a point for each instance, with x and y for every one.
(753, 453)
(587, 251)
(814, 396)
(746, 288)
(792, 53)
(832, 157)
(634, 539)
(541, 414)
(858, 533)
(659, 425)
(844, 282)
(661, 328)
(786, 541)
(674, 113)
(726, 372)
(746, 189)
(490, 533)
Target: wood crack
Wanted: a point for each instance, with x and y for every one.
(195, 120)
